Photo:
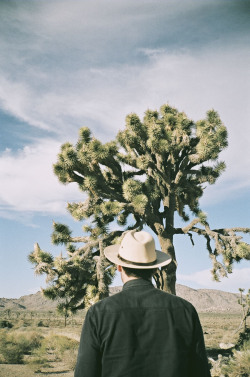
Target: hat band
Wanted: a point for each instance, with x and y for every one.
(135, 263)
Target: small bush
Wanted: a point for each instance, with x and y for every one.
(54, 348)
(58, 344)
(11, 353)
(40, 324)
(13, 346)
(239, 364)
(5, 324)
(30, 341)
(244, 338)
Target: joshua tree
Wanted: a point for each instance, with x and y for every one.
(76, 280)
(244, 302)
(154, 169)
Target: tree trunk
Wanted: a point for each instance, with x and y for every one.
(103, 288)
(168, 273)
(165, 236)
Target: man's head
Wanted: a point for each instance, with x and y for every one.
(138, 273)
(137, 252)
(135, 273)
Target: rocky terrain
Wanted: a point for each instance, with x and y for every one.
(210, 300)
(204, 300)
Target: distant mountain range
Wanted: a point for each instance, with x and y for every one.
(204, 300)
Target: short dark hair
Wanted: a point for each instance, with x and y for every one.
(146, 273)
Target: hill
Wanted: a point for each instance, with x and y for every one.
(204, 300)
(210, 300)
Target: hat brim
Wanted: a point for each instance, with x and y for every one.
(111, 253)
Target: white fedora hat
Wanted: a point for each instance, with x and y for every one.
(137, 250)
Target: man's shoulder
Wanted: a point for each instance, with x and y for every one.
(173, 300)
(108, 302)
(155, 297)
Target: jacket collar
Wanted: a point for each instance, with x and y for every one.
(137, 283)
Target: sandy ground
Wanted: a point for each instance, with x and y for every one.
(11, 370)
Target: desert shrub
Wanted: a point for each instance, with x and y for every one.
(54, 347)
(30, 341)
(5, 324)
(64, 343)
(237, 365)
(14, 345)
(58, 344)
(244, 338)
(42, 324)
(11, 352)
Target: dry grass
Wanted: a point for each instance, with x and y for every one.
(54, 349)
(220, 328)
(51, 348)
(42, 349)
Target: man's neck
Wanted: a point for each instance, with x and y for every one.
(126, 278)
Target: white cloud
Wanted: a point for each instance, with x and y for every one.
(55, 84)
(240, 278)
(28, 183)
(19, 99)
(187, 82)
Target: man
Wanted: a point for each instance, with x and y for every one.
(141, 331)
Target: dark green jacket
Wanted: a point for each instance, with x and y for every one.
(140, 332)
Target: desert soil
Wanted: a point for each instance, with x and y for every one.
(12, 370)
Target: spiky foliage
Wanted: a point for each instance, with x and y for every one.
(244, 302)
(161, 163)
(70, 278)
(153, 169)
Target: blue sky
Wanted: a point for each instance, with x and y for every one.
(65, 64)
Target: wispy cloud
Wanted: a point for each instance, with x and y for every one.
(65, 73)
(103, 108)
(28, 183)
(240, 278)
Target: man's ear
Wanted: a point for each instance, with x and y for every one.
(119, 268)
